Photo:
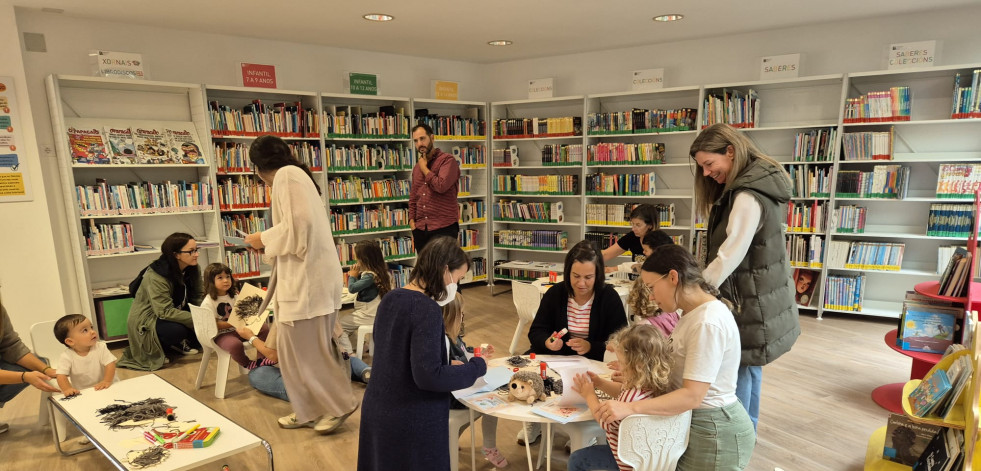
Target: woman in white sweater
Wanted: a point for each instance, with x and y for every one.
(304, 290)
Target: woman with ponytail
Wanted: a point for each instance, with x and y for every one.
(706, 360)
(304, 290)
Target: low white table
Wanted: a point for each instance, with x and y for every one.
(114, 444)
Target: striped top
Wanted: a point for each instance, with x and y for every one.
(578, 317)
(613, 430)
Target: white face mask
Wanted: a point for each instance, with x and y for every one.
(450, 294)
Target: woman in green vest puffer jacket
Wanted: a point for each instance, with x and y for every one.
(744, 193)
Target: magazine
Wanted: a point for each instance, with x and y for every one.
(87, 146)
(152, 146)
(121, 145)
(184, 146)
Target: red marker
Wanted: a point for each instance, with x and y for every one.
(531, 356)
(476, 351)
(170, 414)
(543, 366)
(558, 335)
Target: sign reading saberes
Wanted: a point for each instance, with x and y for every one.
(909, 55)
(258, 75)
(780, 67)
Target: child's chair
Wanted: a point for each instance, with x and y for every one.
(459, 419)
(526, 300)
(364, 332)
(205, 328)
(46, 346)
(653, 442)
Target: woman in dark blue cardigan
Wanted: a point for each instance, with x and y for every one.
(405, 411)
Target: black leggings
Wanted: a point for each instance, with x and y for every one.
(173, 333)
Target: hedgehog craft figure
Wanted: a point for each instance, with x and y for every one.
(526, 386)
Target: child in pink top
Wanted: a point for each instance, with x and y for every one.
(639, 300)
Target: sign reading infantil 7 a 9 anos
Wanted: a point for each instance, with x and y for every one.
(258, 75)
(363, 84)
(910, 55)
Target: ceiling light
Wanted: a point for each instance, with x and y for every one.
(378, 17)
(671, 17)
(500, 42)
(53, 10)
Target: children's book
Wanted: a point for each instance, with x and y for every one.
(942, 452)
(558, 413)
(929, 393)
(87, 146)
(488, 402)
(906, 440)
(245, 312)
(928, 328)
(958, 374)
(184, 145)
(152, 146)
(122, 147)
(805, 284)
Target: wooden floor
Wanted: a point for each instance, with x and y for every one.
(816, 410)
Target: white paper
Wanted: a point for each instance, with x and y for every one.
(493, 379)
(569, 396)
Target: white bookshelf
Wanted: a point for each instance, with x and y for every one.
(94, 102)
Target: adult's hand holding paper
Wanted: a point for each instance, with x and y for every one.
(493, 379)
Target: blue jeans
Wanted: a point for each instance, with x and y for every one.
(593, 458)
(269, 380)
(357, 369)
(749, 383)
(8, 391)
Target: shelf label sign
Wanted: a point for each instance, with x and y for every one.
(912, 55)
(541, 88)
(647, 79)
(780, 67)
(363, 84)
(119, 64)
(258, 75)
(446, 90)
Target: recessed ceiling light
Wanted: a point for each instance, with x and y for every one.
(500, 42)
(53, 10)
(378, 17)
(671, 17)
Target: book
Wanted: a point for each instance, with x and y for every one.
(488, 402)
(959, 374)
(906, 440)
(87, 146)
(122, 147)
(805, 282)
(561, 414)
(245, 312)
(152, 146)
(942, 452)
(184, 145)
(929, 393)
(928, 328)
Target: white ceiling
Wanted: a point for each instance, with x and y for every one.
(460, 29)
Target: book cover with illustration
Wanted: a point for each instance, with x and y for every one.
(562, 414)
(87, 146)
(805, 285)
(245, 312)
(906, 440)
(184, 145)
(928, 328)
(929, 392)
(152, 146)
(122, 147)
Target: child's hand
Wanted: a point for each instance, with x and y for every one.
(583, 385)
(71, 392)
(355, 270)
(487, 353)
(554, 343)
(102, 385)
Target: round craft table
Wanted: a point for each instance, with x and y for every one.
(890, 396)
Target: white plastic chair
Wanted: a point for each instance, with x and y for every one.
(205, 328)
(526, 300)
(46, 346)
(459, 419)
(363, 332)
(653, 442)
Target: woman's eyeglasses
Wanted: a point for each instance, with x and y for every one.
(189, 252)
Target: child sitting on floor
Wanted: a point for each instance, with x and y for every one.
(86, 362)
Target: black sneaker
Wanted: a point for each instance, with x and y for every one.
(184, 348)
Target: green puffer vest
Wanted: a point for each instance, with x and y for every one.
(761, 288)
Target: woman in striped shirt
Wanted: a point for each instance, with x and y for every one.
(644, 357)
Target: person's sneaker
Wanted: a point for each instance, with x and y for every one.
(534, 433)
(328, 424)
(495, 457)
(290, 422)
(4, 427)
(366, 375)
(184, 348)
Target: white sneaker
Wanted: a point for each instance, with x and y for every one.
(534, 433)
(290, 421)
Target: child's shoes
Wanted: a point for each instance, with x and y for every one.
(495, 457)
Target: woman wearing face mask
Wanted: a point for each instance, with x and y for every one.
(405, 418)
(304, 291)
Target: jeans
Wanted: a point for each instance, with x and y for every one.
(357, 369)
(8, 391)
(593, 458)
(749, 383)
(171, 334)
(421, 237)
(269, 380)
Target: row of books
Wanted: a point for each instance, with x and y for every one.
(812, 182)
(103, 199)
(392, 248)
(805, 251)
(478, 266)
(353, 121)
(389, 156)
(540, 239)
(249, 223)
(816, 145)
(806, 216)
(473, 211)
(144, 145)
(285, 119)
(871, 145)
(923, 447)
(699, 247)
(470, 155)
(108, 238)
(454, 125)
(538, 127)
(537, 184)
(737, 108)
(469, 238)
(354, 188)
(967, 100)
(602, 239)
(950, 220)
(243, 192)
(945, 252)
(641, 121)
(620, 184)
(958, 181)
(525, 270)
(956, 277)
(866, 255)
(244, 262)
(507, 210)
(849, 219)
(234, 156)
(558, 153)
(645, 153)
(844, 292)
(884, 181)
(614, 214)
(367, 219)
(894, 104)
(465, 184)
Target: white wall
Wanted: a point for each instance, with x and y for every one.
(852, 46)
(30, 285)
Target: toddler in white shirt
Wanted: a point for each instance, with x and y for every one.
(87, 362)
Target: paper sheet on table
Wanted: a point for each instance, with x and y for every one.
(493, 379)
(569, 397)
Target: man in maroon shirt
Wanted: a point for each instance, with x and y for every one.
(433, 208)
